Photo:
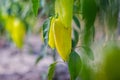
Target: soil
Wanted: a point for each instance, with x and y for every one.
(16, 64)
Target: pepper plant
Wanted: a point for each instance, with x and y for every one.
(15, 20)
(78, 50)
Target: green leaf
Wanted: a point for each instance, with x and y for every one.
(93, 32)
(74, 65)
(46, 27)
(38, 59)
(76, 20)
(73, 44)
(35, 6)
(88, 51)
(51, 70)
(103, 4)
(88, 11)
(75, 39)
(88, 35)
(76, 8)
(112, 15)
